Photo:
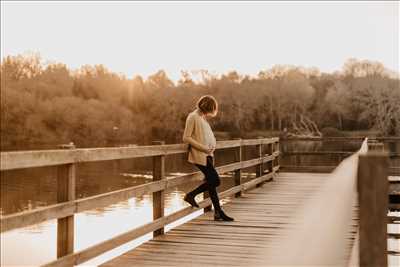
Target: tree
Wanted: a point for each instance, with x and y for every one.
(48, 104)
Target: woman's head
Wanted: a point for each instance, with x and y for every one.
(208, 105)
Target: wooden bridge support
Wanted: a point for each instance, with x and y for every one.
(373, 208)
(66, 186)
(278, 159)
(259, 167)
(158, 197)
(270, 164)
(238, 172)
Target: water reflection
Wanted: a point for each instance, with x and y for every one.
(37, 242)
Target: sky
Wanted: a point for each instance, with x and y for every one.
(140, 38)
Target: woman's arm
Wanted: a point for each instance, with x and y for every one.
(195, 144)
(187, 135)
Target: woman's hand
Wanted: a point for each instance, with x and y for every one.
(199, 146)
(210, 150)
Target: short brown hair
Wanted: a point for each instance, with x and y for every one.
(207, 104)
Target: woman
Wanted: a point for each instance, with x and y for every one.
(202, 143)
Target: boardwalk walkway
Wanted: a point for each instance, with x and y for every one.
(260, 215)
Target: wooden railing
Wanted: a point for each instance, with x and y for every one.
(368, 167)
(66, 161)
(334, 157)
(359, 138)
(370, 245)
(372, 185)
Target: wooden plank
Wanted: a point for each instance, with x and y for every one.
(61, 210)
(373, 201)
(227, 144)
(257, 141)
(250, 163)
(256, 181)
(339, 139)
(251, 142)
(340, 154)
(321, 153)
(41, 158)
(212, 250)
(30, 217)
(29, 159)
(307, 169)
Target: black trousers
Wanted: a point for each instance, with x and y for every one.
(211, 184)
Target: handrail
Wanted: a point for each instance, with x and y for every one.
(345, 153)
(42, 158)
(306, 153)
(355, 138)
(64, 211)
(329, 231)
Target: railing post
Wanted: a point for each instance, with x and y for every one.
(270, 164)
(278, 159)
(373, 208)
(66, 186)
(238, 172)
(259, 167)
(158, 197)
(273, 151)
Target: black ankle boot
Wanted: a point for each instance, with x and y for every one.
(190, 199)
(221, 216)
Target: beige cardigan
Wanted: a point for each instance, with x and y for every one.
(194, 128)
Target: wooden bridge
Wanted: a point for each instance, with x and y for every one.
(261, 215)
(263, 208)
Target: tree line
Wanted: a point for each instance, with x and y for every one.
(49, 104)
